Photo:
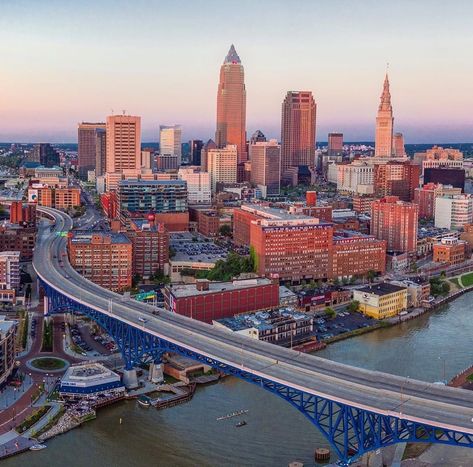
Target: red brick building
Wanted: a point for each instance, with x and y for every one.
(109, 203)
(102, 257)
(362, 204)
(425, 197)
(450, 251)
(207, 301)
(150, 247)
(22, 213)
(396, 222)
(396, 179)
(356, 254)
(14, 237)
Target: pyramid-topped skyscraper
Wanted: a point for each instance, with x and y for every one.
(231, 105)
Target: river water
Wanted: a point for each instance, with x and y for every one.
(432, 347)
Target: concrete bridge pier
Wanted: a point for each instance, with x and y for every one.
(156, 374)
(130, 379)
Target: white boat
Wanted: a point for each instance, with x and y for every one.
(37, 447)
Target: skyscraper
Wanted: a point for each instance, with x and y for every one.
(222, 165)
(398, 145)
(383, 146)
(170, 141)
(195, 149)
(100, 151)
(123, 143)
(231, 105)
(298, 130)
(265, 166)
(45, 154)
(335, 144)
(86, 134)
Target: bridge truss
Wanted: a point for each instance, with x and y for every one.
(351, 431)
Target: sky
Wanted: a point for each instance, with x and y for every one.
(66, 61)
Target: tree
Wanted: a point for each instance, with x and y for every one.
(353, 306)
(225, 230)
(330, 312)
(371, 275)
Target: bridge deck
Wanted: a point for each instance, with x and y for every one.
(379, 392)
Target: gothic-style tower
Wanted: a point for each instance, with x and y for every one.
(384, 124)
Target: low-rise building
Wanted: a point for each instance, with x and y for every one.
(207, 301)
(14, 237)
(7, 348)
(90, 379)
(381, 301)
(285, 327)
(418, 291)
(450, 251)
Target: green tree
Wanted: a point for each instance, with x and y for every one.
(330, 312)
(225, 230)
(371, 275)
(353, 306)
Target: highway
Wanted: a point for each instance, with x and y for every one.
(405, 398)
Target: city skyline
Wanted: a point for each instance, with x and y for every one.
(57, 77)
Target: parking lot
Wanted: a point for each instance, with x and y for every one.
(345, 321)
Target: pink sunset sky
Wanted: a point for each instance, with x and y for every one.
(63, 62)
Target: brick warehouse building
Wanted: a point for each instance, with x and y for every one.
(150, 246)
(301, 247)
(104, 258)
(207, 301)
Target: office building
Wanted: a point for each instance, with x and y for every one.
(147, 156)
(439, 157)
(87, 147)
(204, 154)
(45, 154)
(170, 143)
(426, 195)
(150, 242)
(165, 199)
(298, 130)
(123, 143)
(167, 162)
(7, 349)
(381, 301)
(355, 178)
(22, 213)
(453, 211)
(231, 106)
(398, 145)
(22, 238)
(105, 258)
(198, 185)
(335, 144)
(384, 124)
(222, 165)
(395, 178)
(9, 270)
(450, 251)
(100, 152)
(265, 160)
(445, 176)
(207, 301)
(396, 222)
(195, 149)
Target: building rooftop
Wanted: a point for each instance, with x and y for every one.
(5, 326)
(192, 247)
(87, 373)
(262, 320)
(384, 288)
(189, 290)
(86, 237)
(136, 182)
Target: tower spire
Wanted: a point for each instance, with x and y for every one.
(232, 56)
(385, 103)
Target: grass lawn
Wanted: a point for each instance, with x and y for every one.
(470, 377)
(456, 282)
(48, 363)
(467, 279)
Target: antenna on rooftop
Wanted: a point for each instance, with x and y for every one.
(124, 111)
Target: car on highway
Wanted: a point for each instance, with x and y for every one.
(143, 320)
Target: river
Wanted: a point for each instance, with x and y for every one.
(432, 347)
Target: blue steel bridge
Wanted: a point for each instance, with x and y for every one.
(357, 410)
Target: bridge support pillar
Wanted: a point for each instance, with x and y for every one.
(156, 373)
(45, 305)
(130, 379)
